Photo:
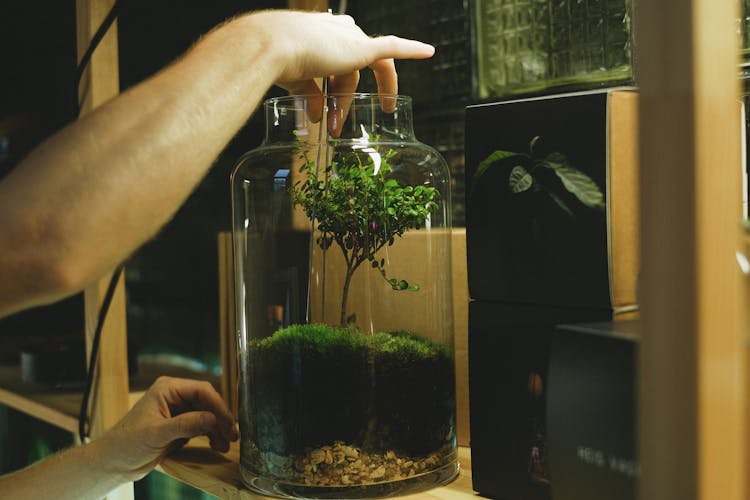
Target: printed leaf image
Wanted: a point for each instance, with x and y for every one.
(496, 156)
(520, 179)
(575, 181)
(525, 170)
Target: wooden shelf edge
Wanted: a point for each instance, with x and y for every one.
(44, 411)
(60, 407)
(218, 474)
(55, 409)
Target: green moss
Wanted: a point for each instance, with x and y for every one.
(311, 385)
(324, 339)
(320, 338)
(408, 344)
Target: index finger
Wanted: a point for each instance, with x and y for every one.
(394, 47)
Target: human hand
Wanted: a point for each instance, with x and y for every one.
(317, 44)
(172, 411)
(310, 45)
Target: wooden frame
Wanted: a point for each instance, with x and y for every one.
(692, 428)
(100, 82)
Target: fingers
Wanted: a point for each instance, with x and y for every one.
(387, 80)
(190, 424)
(197, 395)
(384, 68)
(343, 84)
(314, 101)
(393, 47)
(195, 423)
(183, 395)
(385, 76)
(338, 106)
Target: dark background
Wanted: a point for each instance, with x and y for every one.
(172, 280)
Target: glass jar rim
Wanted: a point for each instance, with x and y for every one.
(353, 95)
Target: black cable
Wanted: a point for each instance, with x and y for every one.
(83, 419)
(95, 40)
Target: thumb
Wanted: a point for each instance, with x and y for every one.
(190, 424)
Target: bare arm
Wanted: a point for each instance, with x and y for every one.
(170, 412)
(86, 198)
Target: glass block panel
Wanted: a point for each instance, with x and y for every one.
(543, 44)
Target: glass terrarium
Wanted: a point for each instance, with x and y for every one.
(342, 253)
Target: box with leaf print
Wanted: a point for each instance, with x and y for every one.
(552, 200)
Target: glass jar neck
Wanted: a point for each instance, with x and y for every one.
(349, 118)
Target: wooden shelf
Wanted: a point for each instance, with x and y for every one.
(60, 407)
(218, 473)
(196, 464)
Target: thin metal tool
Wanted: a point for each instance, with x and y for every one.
(322, 144)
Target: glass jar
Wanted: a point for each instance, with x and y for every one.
(342, 253)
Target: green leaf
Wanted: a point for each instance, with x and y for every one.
(520, 179)
(578, 183)
(362, 211)
(496, 156)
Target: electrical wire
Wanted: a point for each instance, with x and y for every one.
(84, 427)
(84, 420)
(95, 41)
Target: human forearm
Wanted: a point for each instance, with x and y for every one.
(89, 196)
(172, 411)
(76, 474)
(97, 190)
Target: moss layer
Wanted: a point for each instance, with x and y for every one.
(314, 384)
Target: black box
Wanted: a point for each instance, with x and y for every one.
(552, 238)
(591, 411)
(509, 348)
(552, 200)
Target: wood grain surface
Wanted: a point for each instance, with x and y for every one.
(219, 474)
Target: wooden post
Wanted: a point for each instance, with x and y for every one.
(101, 78)
(100, 82)
(227, 323)
(691, 385)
